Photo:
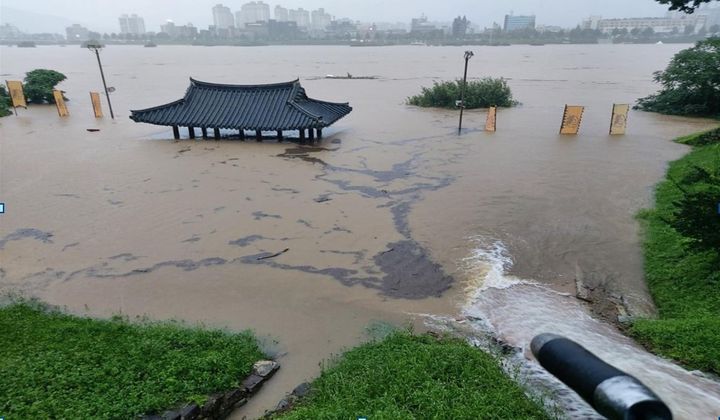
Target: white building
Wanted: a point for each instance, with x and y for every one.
(299, 16)
(281, 14)
(132, 24)
(222, 17)
(591, 23)
(255, 11)
(320, 19)
(676, 23)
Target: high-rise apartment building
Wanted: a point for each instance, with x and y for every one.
(222, 17)
(132, 24)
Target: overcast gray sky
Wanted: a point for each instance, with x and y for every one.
(101, 15)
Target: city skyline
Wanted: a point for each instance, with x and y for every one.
(40, 14)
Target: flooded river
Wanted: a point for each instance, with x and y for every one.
(391, 218)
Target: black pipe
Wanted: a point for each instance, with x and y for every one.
(610, 391)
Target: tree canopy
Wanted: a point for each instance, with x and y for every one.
(687, 6)
(40, 83)
(690, 84)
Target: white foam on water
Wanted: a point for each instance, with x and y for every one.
(516, 310)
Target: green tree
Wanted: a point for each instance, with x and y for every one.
(698, 209)
(5, 102)
(687, 6)
(39, 85)
(690, 84)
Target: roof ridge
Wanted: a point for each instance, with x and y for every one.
(196, 82)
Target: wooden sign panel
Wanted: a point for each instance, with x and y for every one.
(15, 88)
(491, 122)
(618, 123)
(60, 103)
(97, 107)
(572, 117)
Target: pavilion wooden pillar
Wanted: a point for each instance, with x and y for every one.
(258, 135)
(204, 132)
(176, 132)
(319, 133)
(280, 136)
(217, 133)
(242, 134)
(302, 135)
(311, 135)
(191, 132)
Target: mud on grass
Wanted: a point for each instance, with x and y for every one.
(56, 365)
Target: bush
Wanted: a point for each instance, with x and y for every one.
(482, 93)
(39, 85)
(5, 102)
(690, 84)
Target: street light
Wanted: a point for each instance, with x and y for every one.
(468, 56)
(96, 47)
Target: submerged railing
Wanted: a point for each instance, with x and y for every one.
(610, 391)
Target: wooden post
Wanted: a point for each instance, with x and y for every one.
(191, 132)
(242, 134)
(319, 133)
(217, 134)
(258, 135)
(311, 135)
(176, 132)
(280, 136)
(302, 135)
(204, 132)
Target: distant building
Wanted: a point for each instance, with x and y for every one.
(712, 13)
(299, 16)
(676, 23)
(281, 14)
(222, 17)
(255, 11)
(421, 25)
(591, 23)
(320, 19)
(517, 23)
(169, 28)
(132, 24)
(77, 33)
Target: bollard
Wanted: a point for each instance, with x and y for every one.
(610, 391)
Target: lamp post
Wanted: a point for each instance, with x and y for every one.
(96, 48)
(468, 55)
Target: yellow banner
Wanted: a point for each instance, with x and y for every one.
(618, 124)
(60, 103)
(572, 117)
(491, 122)
(16, 93)
(97, 107)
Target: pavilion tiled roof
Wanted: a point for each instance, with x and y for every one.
(279, 106)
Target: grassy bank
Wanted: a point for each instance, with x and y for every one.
(684, 278)
(55, 365)
(406, 376)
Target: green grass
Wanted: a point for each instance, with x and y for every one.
(406, 376)
(55, 365)
(684, 280)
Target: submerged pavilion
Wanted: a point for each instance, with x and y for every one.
(275, 107)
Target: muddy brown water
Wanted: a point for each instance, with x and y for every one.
(379, 221)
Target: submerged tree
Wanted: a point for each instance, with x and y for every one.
(5, 102)
(481, 93)
(39, 85)
(690, 84)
